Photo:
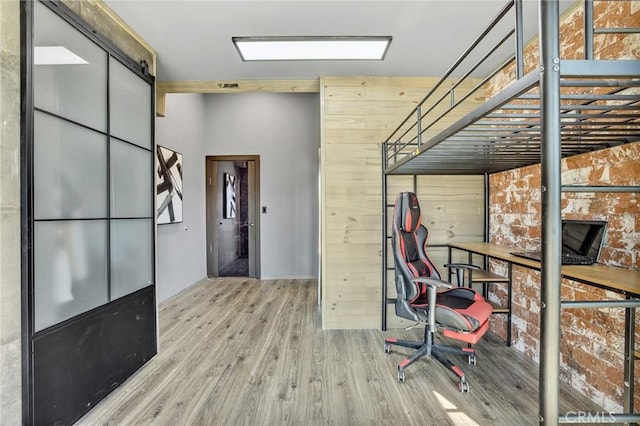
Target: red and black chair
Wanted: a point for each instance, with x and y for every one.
(457, 312)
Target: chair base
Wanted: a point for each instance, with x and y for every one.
(435, 351)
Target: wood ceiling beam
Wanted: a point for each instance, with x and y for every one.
(231, 86)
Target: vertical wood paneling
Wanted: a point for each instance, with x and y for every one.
(358, 114)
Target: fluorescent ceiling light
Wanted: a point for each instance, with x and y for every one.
(55, 55)
(311, 48)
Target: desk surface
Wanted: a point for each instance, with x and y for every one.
(610, 277)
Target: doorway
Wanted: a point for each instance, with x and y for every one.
(232, 203)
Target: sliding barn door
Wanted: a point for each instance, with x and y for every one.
(90, 308)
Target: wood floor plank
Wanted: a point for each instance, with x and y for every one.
(237, 351)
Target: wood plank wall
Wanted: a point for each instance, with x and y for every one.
(358, 114)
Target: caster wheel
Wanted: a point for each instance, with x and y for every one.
(387, 348)
(472, 359)
(401, 374)
(463, 386)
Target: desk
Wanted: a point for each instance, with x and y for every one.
(623, 281)
(620, 280)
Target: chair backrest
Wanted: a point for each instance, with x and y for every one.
(409, 239)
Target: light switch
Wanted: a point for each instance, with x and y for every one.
(264, 209)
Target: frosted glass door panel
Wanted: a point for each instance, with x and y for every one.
(70, 170)
(130, 106)
(130, 181)
(131, 256)
(70, 269)
(70, 71)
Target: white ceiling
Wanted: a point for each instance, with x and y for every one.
(193, 38)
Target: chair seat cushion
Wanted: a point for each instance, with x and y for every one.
(460, 309)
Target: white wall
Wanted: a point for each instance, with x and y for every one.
(181, 252)
(284, 130)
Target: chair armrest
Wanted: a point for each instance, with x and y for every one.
(432, 282)
(461, 266)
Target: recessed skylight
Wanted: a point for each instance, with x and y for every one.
(311, 48)
(55, 55)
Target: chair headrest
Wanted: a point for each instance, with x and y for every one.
(410, 215)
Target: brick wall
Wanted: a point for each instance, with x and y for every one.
(607, 14)
(592, 339)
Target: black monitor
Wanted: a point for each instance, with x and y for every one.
(583, 237)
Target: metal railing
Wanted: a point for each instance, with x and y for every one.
(411, 128)
(428, 123)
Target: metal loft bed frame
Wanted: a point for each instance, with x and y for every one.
(558, 109)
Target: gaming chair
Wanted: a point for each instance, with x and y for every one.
(457, 312)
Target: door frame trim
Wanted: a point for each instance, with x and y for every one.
(256, 205)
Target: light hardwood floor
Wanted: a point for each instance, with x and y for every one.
(247, 352)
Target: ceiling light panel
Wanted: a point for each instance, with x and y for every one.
(311, 48)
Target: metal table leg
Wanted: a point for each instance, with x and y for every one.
(629, 357)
